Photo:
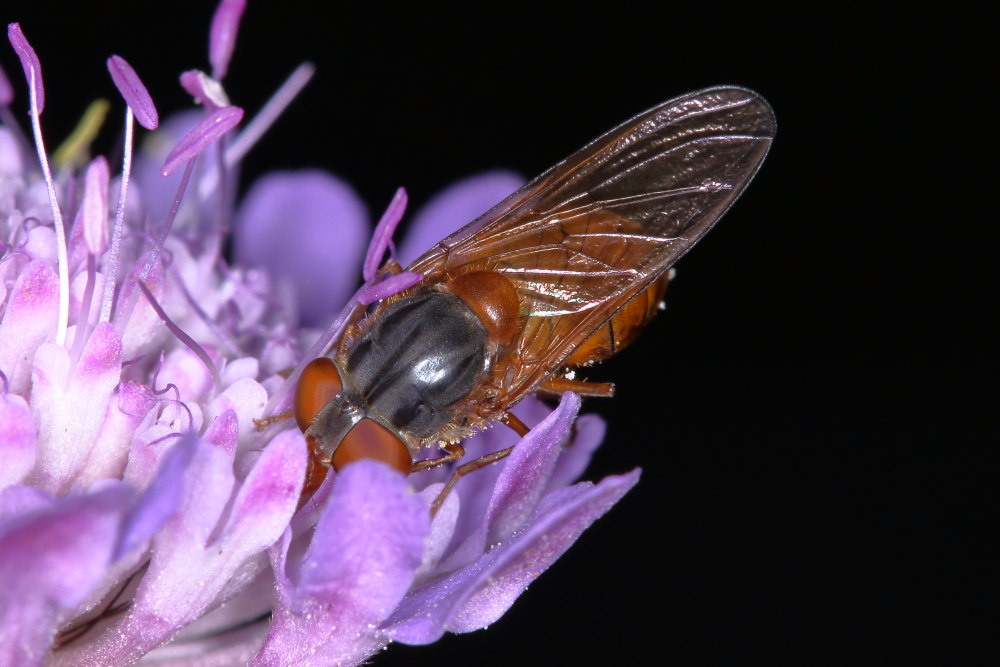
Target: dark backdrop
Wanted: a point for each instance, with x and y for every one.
(811, 411)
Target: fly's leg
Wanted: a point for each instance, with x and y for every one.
(464, 470)
(515, 424)
(557, 385)
(508, 420)
(264, 422)
(455, 452)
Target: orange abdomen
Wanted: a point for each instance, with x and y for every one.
(623, 327)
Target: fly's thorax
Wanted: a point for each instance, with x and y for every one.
(414, 361)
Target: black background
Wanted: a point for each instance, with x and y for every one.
(812, 412)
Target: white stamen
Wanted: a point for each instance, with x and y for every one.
(63, 255)
(116, 234)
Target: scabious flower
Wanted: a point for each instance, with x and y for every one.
(143, 516)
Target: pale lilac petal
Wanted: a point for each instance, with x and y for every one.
(361, 561)
(132, 89)
(222, 36)
(269, 495)
(307, 227)
(186, 572)
(145, 331)
(455, 207)
(520, 485)
(480, 593)
(19, 500)
(70, 401)
(247, 398)
(476, 490)
(29, 61)
(442, 527)
(204, 134)
(17, 439)
(185, 370)
(392, 285)
(29, 318)
(370, 538)
(11, 163)
(6, 90)
(588, 434)
(220, 649)
(252, 603)
(207, 487)
(156, 191)
(49, 561)
(160, 431)
(382, 238)
(127, 409)
(224, 432)
(159, 501)
(560, 522)
(243, 368)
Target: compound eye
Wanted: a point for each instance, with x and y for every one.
(370, 440)
(318, 385)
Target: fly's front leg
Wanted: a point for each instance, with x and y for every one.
(264, 422)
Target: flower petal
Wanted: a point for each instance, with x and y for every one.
(159, 501)
(480, 593)
(543, 542)
(588, 434)
(307, 227)
(154, 191)
(30, 317)
(520, 485)
(17, 444)
(361, 561)
(269, 495)
(49, 561)
(11, 163)
(69, 402)
(455, 206)
(6, 90)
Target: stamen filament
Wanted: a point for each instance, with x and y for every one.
(183, 337)
(260, 123)
(124, 312)
(57, 219)
(119, 229)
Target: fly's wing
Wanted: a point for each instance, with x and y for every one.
(582, 239)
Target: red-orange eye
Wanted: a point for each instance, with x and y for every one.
(370, 440)
(319, 384)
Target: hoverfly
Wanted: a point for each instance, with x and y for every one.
(563, 273)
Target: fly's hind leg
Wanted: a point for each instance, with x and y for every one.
(555, 386)
(464, 470)
(510, 421)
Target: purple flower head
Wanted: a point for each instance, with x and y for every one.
(143, 511)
